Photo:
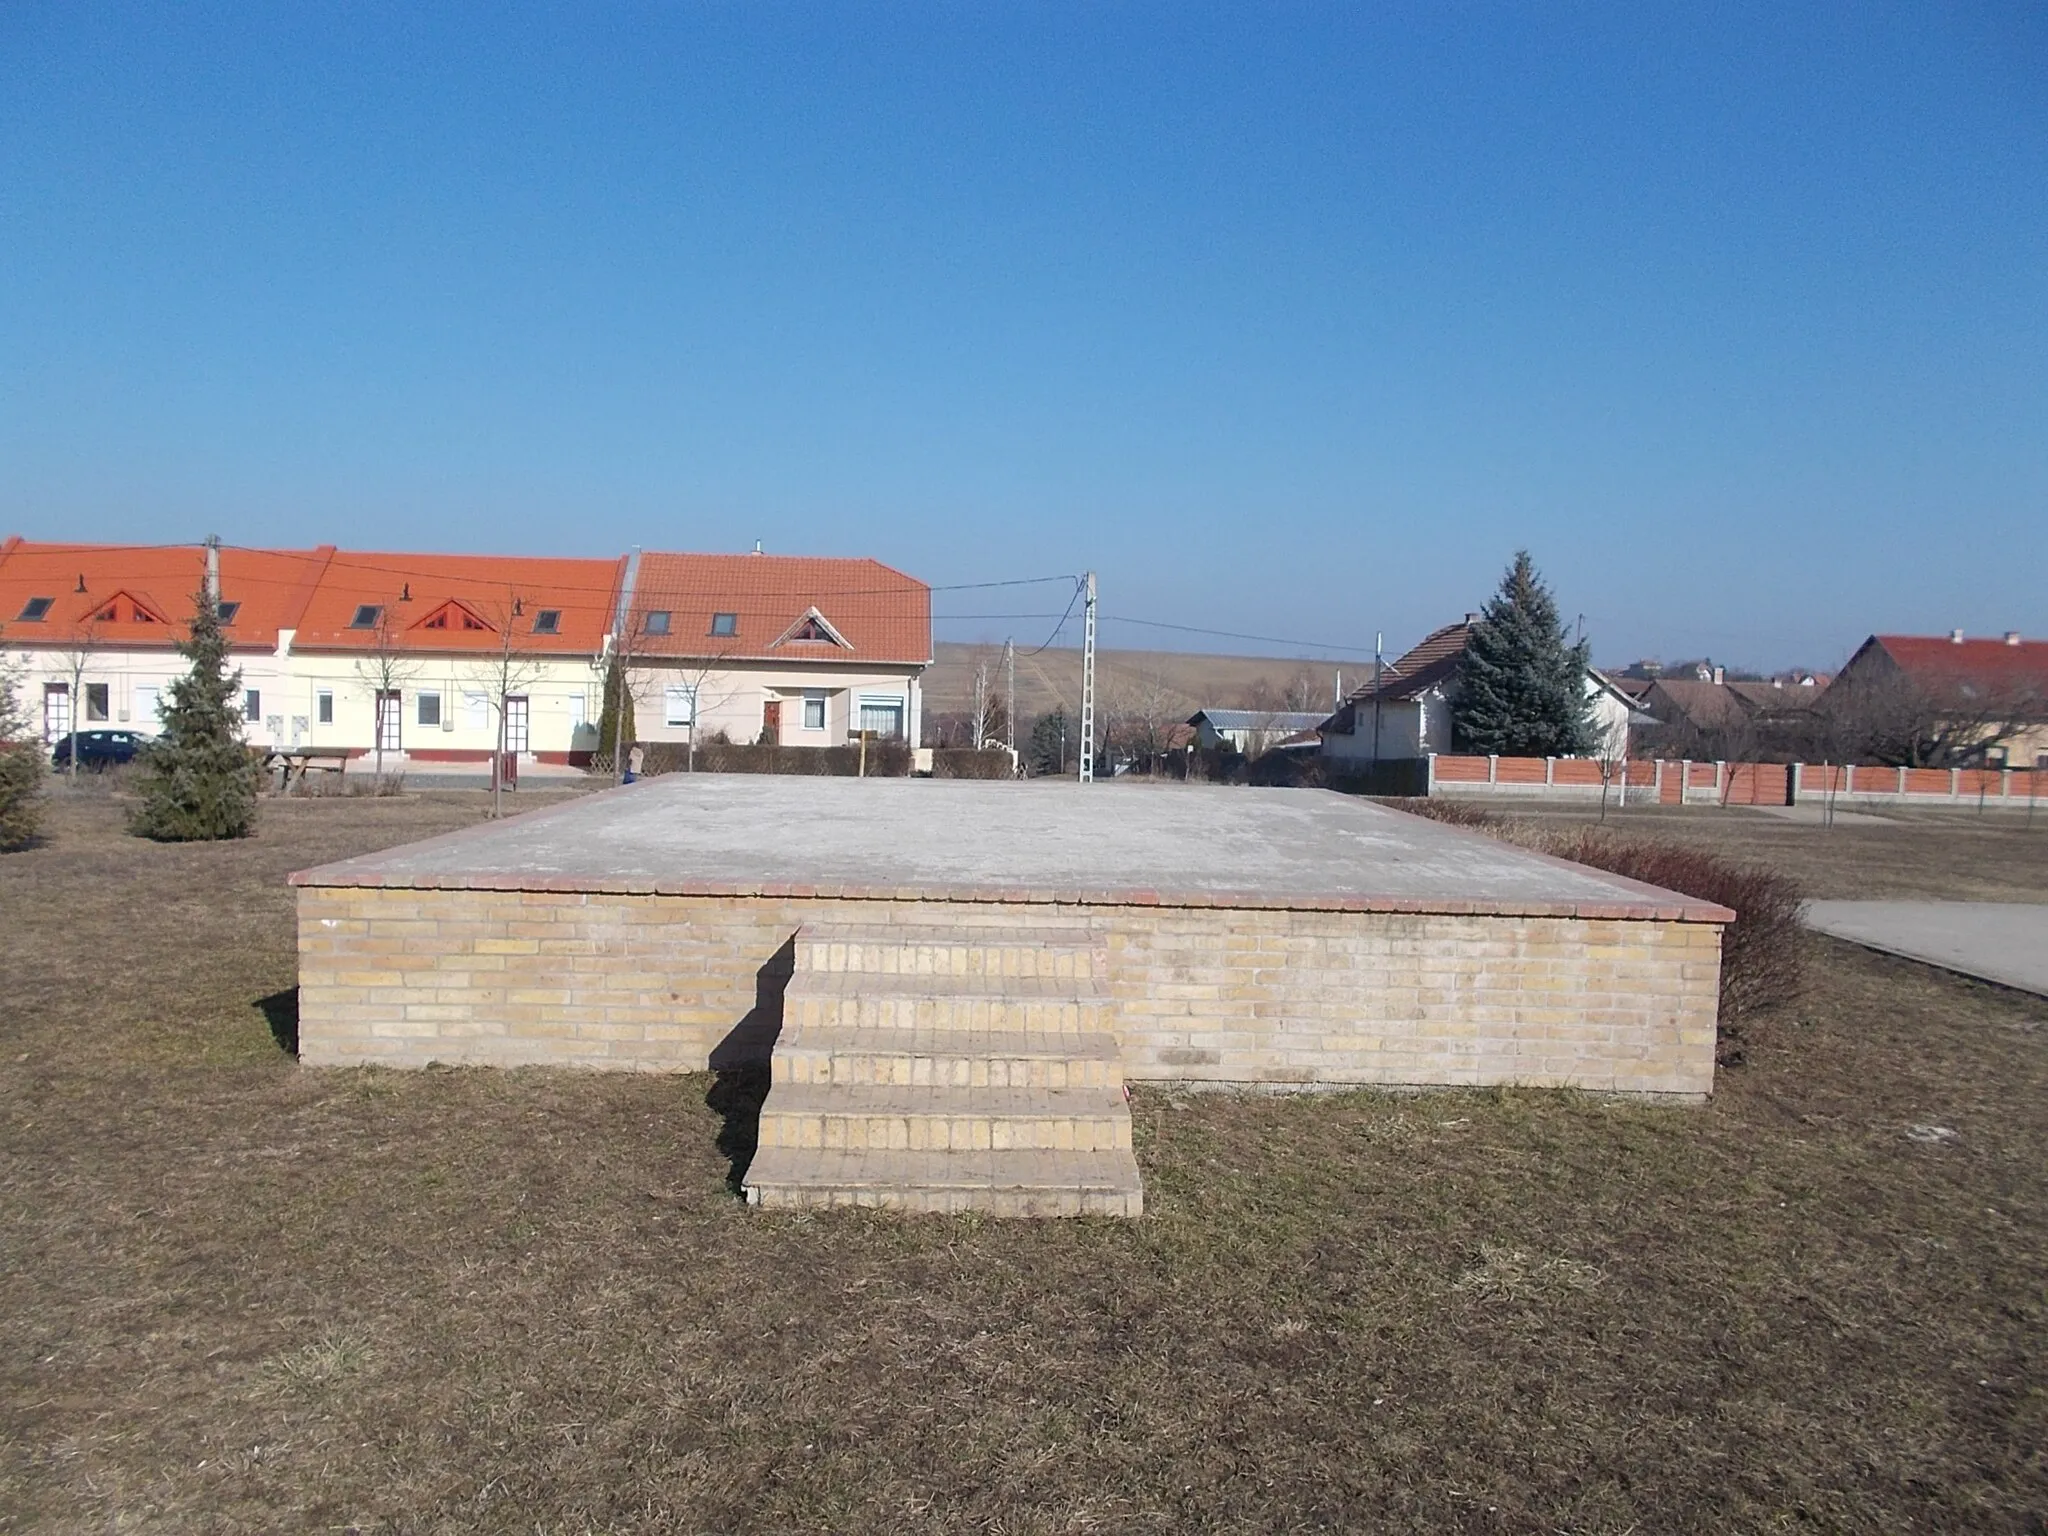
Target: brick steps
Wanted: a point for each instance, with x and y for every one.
(931, 951)
(1033, 1183)
(884, 1116)
(981, 1002)
(947, 1070)
(960, 1058)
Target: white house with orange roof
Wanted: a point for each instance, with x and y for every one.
(796, 650)
(436, 659)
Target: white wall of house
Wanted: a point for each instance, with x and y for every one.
(445, 703)
(120, 689)
(1407, 728)
(820, 707)
(448, 703)
(1410, 728)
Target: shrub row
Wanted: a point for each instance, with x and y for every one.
(885, 759)
(968, 763)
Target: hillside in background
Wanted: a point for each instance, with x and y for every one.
(1179, 682)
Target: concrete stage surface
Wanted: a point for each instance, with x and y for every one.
(963, 840)
(1280, 937)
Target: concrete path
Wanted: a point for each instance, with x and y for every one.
(2005, 942)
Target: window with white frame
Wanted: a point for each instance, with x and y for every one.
(252, 705)
(429, 708)
(679, 705)
(96, 701)
(323, 706)
(814, 709)
(881, 716)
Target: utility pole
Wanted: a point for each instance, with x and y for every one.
(980, 705)
(1010, 698)
(1088, 680)
(1379, 643)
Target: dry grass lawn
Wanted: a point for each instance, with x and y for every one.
(240, 1296)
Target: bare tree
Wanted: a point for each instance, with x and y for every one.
(385, 668)
(1909, 722)
(701, 676)
(75, 659)
(504, 675)
(1141, 712)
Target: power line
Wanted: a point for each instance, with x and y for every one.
(1079, 588)
(1231, 634)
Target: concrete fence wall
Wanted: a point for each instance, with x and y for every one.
(1671, 782)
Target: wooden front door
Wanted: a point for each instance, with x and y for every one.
(771, 722)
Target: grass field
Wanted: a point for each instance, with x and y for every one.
(245, 1297)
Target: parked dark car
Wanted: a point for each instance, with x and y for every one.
(100, 749)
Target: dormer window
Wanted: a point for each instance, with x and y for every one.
(725, 624)
(814, 628)
(33, 611)
(656, 623)
(452, 615)
(226, 612)
(368, 616)
(548, 622)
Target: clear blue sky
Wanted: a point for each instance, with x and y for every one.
(1289, 319)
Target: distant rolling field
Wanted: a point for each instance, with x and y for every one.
(1053, 677)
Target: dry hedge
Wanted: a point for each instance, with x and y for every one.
(885, 759)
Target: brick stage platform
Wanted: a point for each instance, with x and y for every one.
(1269, 937)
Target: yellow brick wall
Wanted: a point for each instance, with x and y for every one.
(667, 983)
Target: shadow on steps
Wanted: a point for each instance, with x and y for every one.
(740, 1066)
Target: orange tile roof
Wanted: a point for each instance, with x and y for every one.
(2014, 667)
(140, 596)
(881, 614)
(463, 603)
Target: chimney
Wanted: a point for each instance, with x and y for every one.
(1955, 637)
(1471, 618)
(2012, 637)
(1720, 676)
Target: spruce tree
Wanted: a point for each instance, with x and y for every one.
(21, 768)
(1049, 744)
(199, 780)
(1521, 683)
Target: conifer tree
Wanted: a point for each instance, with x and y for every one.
(1521, 683)
(617, 730)
(21, 768)
(199, 780)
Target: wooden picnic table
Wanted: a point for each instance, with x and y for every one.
(304, 760)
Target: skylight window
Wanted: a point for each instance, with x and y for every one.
(367, 616)
(548, 622)
(34, 609)
(725, 624)
(657, 622)
(227, 612)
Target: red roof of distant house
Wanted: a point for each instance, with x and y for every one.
(466, 603)
(1993, 662)
(779, 607)
(1420, 668)
(140, 596)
